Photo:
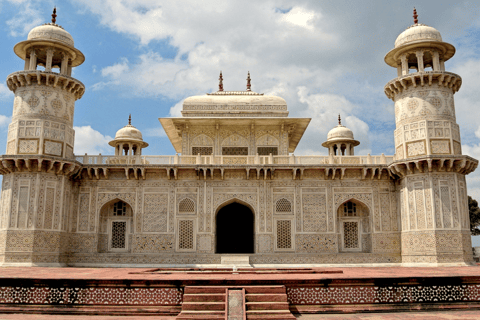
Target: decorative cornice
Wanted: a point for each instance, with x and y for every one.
(26, 78)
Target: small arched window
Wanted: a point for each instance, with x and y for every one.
(283, 205)
(349, 209)
(187, 205)
(119, 208)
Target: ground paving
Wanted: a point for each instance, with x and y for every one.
(433, 315)
(139, 273)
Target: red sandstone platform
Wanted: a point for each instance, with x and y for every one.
(145, 274)
(162, 293)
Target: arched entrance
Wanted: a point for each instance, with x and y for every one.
(235, 229)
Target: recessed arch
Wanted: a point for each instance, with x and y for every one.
(234, 228)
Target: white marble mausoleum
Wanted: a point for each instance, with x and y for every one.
(235, 186)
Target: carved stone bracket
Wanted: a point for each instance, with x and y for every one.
(460, 164)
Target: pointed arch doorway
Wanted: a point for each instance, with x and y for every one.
(235, 229)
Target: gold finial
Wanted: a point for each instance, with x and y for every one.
(220, 82)
(339, 120)
(249, 85)
(415, 15)
(54, 15)
(130, 119)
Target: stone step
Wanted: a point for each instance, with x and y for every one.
(265, 289)
(203, 306)
(203, 290)
(199, 315)
(270, 314)
(271, 297)
(267, 306)
(204, 297)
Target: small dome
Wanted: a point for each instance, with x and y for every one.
(128, 132)
(418, 32)
(340, 133)
(50, 31)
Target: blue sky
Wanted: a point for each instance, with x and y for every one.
(324, 57)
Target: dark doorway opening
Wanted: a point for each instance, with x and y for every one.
(235, 229)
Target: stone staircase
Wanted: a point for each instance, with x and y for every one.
(223, 302)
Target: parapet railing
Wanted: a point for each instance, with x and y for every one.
(232, 160)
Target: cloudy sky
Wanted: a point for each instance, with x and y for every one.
(324, 57)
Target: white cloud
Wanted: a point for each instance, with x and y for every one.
(28, 17)
(300, 17)
(91, 141)
(175, 111)
(5, 93)
(4, 121)
(324, 110)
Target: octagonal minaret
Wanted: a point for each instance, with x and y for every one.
(36, 189)
(423, 94)
(428, 162)
(45, 93)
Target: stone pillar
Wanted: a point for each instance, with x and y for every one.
(399, 70)
(33, 60)
(64, 66)
(404, 64)
(27, 63)
(48, 63)
(332, 152)
(419, 54)
(347, 149)
(339, 149)
(436, 61)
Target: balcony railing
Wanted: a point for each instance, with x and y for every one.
(232, 160)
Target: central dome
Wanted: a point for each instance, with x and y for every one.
(418, 32)
(50, 31)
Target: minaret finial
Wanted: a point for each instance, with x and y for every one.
(339, 120)
(130, 119)
(54, 15)
(415, 16)
(249, 84)
(220, 82)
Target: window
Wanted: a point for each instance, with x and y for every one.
(265, 151)
(185, 234)
(118, 238)
(284, 206)
(284, 234)
(119, 208)
(235, 151)
(351, 237)
(349, 209)
(186, 205)
(204, 151)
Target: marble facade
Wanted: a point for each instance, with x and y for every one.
(128, 209)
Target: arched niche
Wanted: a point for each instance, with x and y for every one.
(235, 228)
(354, 226)
(115, 225)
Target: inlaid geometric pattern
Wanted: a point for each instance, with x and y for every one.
(187, 205)
(91, 296)
(53, 148)
(350, 235)
(49, 207)
(28, 146)
(284, 234)
(155, 212)
(283, 205)
(185, 234)
(374, 294)
(119, 229)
